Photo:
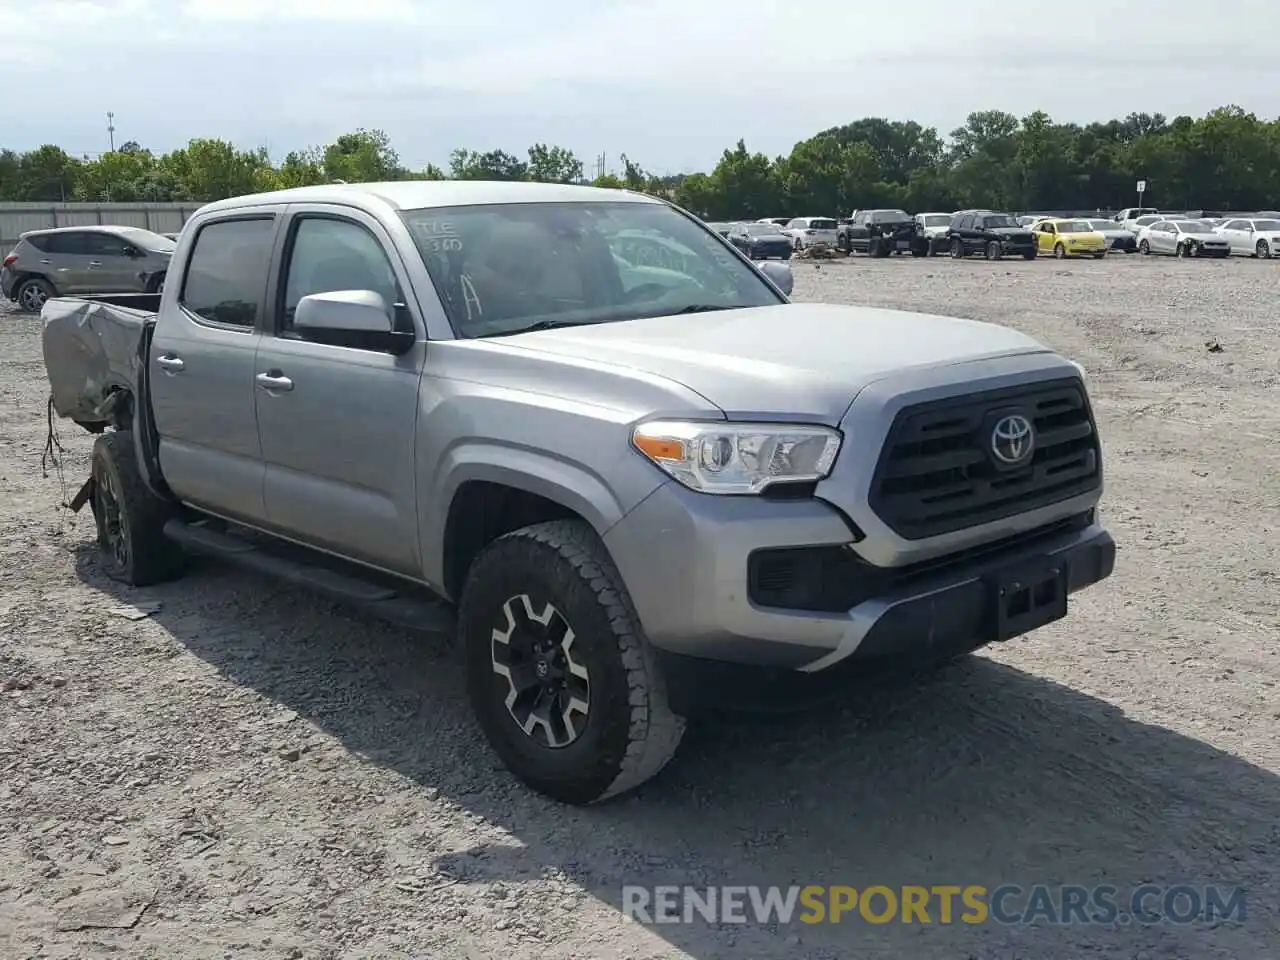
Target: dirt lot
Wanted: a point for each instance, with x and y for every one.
(247, 772)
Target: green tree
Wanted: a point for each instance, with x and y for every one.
(491, 165)
(364, 156)
(553, 164)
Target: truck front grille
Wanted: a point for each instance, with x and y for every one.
(937, 472)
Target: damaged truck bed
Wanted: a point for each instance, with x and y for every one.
(94, 349)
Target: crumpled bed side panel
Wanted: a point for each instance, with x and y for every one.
(90, 350)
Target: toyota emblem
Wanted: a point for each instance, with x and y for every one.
(1013, 440)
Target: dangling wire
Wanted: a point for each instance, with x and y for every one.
(52, 454)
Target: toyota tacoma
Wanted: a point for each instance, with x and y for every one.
(460, 406)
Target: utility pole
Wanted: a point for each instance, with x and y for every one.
(111, 130)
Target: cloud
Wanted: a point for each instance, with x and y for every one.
(670, 82)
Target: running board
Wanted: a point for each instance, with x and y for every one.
(428, 615)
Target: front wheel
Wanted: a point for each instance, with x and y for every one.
(994, 250)
(560, 677)
(1263, 250)
(1059, 251)
(1030, 254)
(1144, 248)
(957, 248)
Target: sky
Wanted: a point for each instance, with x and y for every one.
(669, 83)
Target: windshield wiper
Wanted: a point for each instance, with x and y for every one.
(700, 308)
(548, 324)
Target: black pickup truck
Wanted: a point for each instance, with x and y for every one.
(878, 233)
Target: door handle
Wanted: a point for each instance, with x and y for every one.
(274, 382)
(46, 260)
(95, 263)
(170, 364)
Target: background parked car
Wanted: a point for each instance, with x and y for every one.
(76, 260)
(1252, 238)
(720, 228)
(990, 233)
(1182, 238)
(1130, 216)
(931, 231)
(806, 231)
(761, 241)
(1069, 238)
(1137, 224)
(1119, 240)
(877, 233)
(776, 221)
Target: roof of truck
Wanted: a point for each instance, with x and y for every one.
(414, 194)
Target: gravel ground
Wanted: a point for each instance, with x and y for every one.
(248, 772)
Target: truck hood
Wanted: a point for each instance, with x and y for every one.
(797, 360)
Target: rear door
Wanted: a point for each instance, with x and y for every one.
(65, 261)
(338, 438)
(859, 231)
(202, 364)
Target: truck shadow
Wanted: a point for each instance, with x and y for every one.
(980, 774)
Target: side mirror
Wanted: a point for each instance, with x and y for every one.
(351, 318)
(345, 311)
(780, 273)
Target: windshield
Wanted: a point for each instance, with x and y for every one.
(1102, 224)
(1146, 221)
(505, 268)
(819, 224)
(762, 230)
(1267, 225)
(938, 220)
(999, 220)
(889, 216)
(1194, 226)
(1073, 227)
(146, 239)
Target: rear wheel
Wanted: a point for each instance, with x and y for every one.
(562, 681)
(129, 517)
(1098, 256)
(33, 293)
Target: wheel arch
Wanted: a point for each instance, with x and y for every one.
(490, 491)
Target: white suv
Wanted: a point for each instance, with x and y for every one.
(806, 231)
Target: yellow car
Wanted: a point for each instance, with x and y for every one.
(1069, 238)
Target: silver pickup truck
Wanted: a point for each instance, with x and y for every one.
(582, 434)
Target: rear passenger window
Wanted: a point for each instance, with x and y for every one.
(227, 274)
(66, 244)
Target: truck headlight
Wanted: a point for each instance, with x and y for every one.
(737, 458)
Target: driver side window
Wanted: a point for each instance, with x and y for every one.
(330, 254)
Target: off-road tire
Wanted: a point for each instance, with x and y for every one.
(135, 551)
(630, 731)
(22, 294)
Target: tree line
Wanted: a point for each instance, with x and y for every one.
(1228, 159)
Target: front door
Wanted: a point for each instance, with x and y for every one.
(202, 366)
(114, 264)
(1046, 235)
(337, 422)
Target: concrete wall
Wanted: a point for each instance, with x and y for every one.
(17, 218)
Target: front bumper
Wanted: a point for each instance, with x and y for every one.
(685, 558)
